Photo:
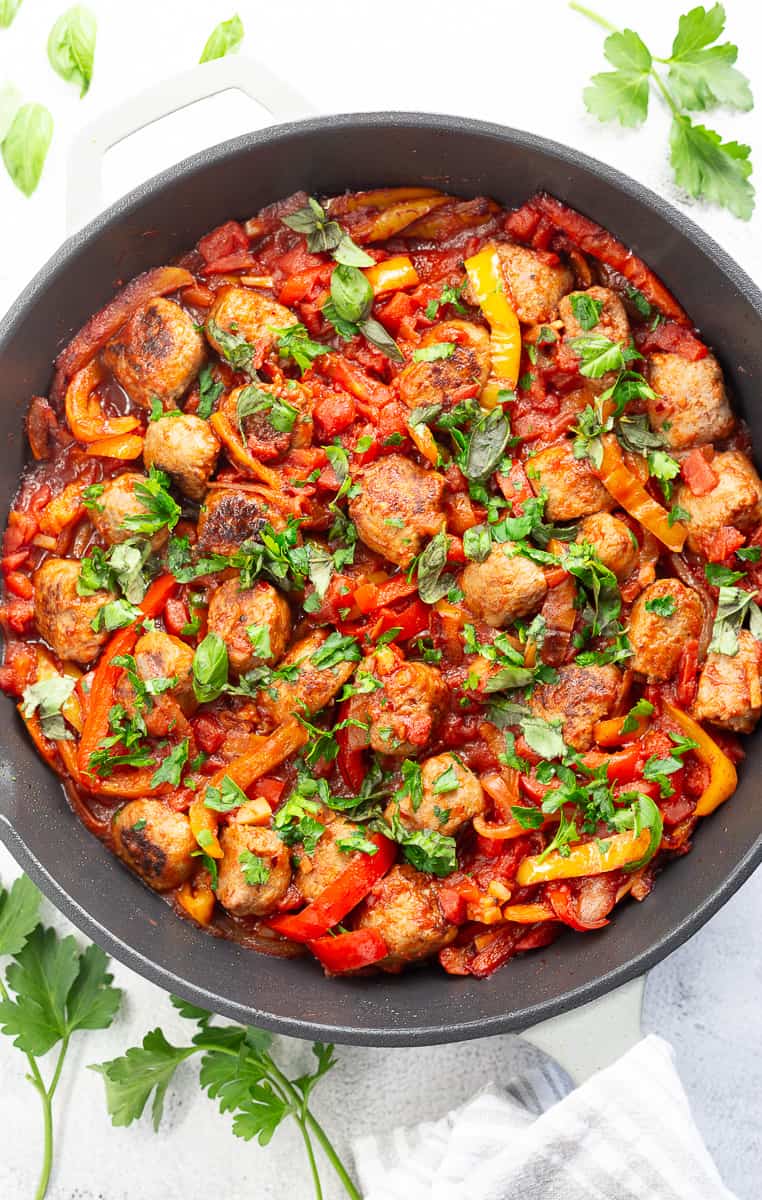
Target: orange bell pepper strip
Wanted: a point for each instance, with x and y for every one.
(620, 851)
(723, 777)
(240, 454)
(388, 222)
(486, 280)
(392, 274)
(384, 197)
(349, 951)
(339, 897)
(86, 419)
(197, 898)
(266, 755)
(62, 510)
(528, 914)
(204, 820)
(424, 442)
(629, 492)
(105, 678)
(125, 446)
(610, 733)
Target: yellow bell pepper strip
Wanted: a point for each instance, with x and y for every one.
(610, 732)
(125, 447)
(528, 914)
(240, 454)
(451, 218)
(71, 708)
(197, 898)
(385, 197)
(486, 280)
(723, 777)
(203, 822)
(622, 850)
(629, 492)
(86, 419)
(424, 441)
(391, 275)
(395, 219)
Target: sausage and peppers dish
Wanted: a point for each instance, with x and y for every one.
(384, 583)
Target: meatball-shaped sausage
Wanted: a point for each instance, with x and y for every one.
(399, 503)
(277, 421)
(186, 448)
(612, 540)
(245, 887)
(404, 711)
(736, 500)
(437, 382)
(229, 518)
(316, 871)
(729, 692)
(503, 587)
(254, 623)
(64, 617)
(314, 685)
(117, 502)
(580, 697)
(155, 841)
(246, 314)
(612, 322)
(404, 908)
(534, 286)
(657, 639)
(161, 656)
(156, 354)
(691, 407)
(572, 490)
(452, 795)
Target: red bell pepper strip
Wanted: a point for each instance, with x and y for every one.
(352, 742)
(593, 239)
(340, 897)
(413, 620)
(370, 596)
(106, 674)
(349, 951)
(687, 673)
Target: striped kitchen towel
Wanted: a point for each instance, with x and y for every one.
(625, 1134)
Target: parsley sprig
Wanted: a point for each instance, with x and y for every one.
(700, 75)
(238, 1071)
(51, 990)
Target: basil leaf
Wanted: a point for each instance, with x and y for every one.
(351, 293)
(26, 145)
(486, 445)
(374, 331)
(432, 585)
(10, 102)
(210, 668)
(209, 391)
(351, 255)
(336, 649)
(47, 697)
(8, 10)
(233, 348)
(295, 342)
(115, 615)
(425, 414)
(71, 46)
(477, 543)
(507, 678)
(224, 39)
(280, 415)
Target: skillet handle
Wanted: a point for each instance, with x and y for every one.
(84, 182)
(589, 1038)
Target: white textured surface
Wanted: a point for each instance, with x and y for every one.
(506, 62)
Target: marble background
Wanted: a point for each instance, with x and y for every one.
(506, 62)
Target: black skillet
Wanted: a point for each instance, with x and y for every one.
(152, 225)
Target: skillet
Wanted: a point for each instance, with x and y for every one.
(150, 226)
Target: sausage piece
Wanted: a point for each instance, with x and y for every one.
(404, 908)
(234, 892)
(571, 488)
(729, 692)
(504, 587)
(736, 500)
(118, 501)
(246, 314)
(612, 541)
(452, 795)
(690, 400)
(612, 322)
(229, 518)
(156, 354)
(63, 617)
(186, 448)
(534, 286)
(580, 697)
(405, 710)
(441, 381)
(657, 640)
(313, 687)
(398, 505)
(316, 871)
(234, 610)
(156, 842)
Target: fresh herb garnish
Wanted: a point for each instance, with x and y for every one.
(46, 698)
(432, 584)
(434, 352)
(161, 511)
(224, 39)
(210, 668)
(586, 310)
(209, 392)
(254, 869)
(295, 342)
(26, 144)
(326, 236)
(661, 606)
(71, 46)
(171, 768)
(279, 413)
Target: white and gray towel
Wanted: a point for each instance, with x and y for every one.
(625, 1134)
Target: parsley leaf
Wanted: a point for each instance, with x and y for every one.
(171, 767)
(160, 509)
(586, 310)
(209, 392)
(702, 76)
(621, 94)
(711, 169)
(434, 352)
(662, 606)
(255, 870)
(295, 342)
(226, 797)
